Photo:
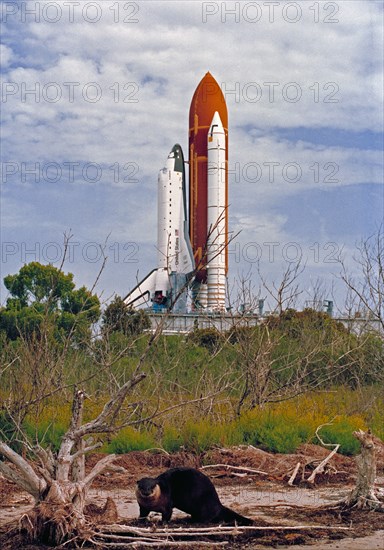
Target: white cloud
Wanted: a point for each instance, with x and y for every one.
(6, 55)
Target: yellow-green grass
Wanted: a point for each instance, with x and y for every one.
(275, 427)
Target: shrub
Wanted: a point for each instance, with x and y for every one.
(199, 436)
(242, 334)
(129, 439)
(119, 317)
(172, 439)
(278, 439)
(274, 432)
(47, 433)
(8, 432)
(209, 338)
(341, 432)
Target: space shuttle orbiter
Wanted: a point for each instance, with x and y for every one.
(165, 288)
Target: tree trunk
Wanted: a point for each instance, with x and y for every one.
(55, 519)
(364, 494)
(58, 514)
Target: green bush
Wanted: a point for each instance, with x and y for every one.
(200, 435)
(341, 432)
(121, 318)
(278, 439)
(9, 433)
(208, 338)
(48, 434)
(172, 439)
(129, 439)
(376, 423)
(273, 432)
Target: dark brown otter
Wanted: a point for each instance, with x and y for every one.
(188, 490)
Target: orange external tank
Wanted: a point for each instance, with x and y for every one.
(207, 99)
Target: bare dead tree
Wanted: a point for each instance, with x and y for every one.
(318, 295)
(271, 372)
(289, 354)
(366, 281)
(255, 349)
(286, 291)
(246, 295)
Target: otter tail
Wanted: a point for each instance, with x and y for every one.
(229, 516)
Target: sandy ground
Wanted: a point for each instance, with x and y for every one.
(265, 497)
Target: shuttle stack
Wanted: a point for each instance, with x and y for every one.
(193, 250)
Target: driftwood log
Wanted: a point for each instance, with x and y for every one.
(126, 536)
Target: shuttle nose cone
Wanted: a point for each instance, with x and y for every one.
(207, 99)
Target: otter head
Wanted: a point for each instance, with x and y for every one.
(148, 488)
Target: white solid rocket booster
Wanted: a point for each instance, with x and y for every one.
(217, 239)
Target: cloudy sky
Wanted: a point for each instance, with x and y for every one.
(95, 94)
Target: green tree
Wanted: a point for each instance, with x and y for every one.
(43, 294)
(117, 317)
(39, 283)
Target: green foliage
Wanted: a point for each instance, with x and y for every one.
(293, 323)
(42, 296)
(117, 317)
(172, 439)
(208, 338)
(198, 436)
(277, 439)
(340, 432)
(47, 433)
(185, 367)
(374, 419)
(39, 283)
(202, 434)
(9, 432)
(242, 334)
(82, 302)
(129, 439)
(274, 431)
(16, 320)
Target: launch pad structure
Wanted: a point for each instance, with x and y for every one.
(192, 231)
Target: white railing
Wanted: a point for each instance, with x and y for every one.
(173, 323)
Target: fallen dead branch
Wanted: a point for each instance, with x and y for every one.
(148, 532)
(236, 468)
(155, 544)
(294, 474)
(125, 536)
(320, 467)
